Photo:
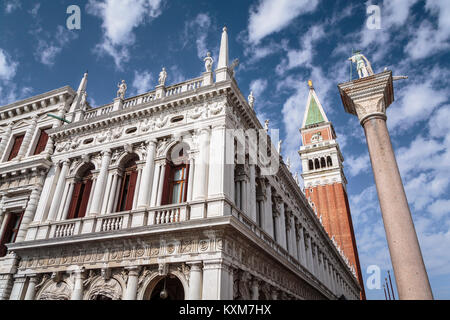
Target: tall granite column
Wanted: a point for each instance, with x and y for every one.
(368, 98)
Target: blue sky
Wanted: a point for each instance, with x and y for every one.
(280, 44)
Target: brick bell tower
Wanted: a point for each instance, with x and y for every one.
(324, 179)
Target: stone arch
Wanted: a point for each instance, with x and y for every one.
(150, 282)
(112, 288)
(172, 150)
(53, 290)
(80, 167)
(125, 157)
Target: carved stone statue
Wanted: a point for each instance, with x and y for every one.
(208, 62)
(162, 77)
(251, 99)
(279, 146)
(83, 102)
(363, 65)
(266, 125)
(122, 89)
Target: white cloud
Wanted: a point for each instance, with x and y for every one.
(7, 66)
(416, 101)
(48, 50)
(34, 11)
(12, 5)
(270, 16)
(258, 86)
(439, 123)
(439, 208)
(119, 19)
(199, 29)
(303, 56)
(428, 40)
(142, 82)
(357, 165)
(9, 91)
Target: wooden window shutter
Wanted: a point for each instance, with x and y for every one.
(74, 201)
(85, 198)
(16, 147)
(166, 185)
(131, 189)
(42, 143)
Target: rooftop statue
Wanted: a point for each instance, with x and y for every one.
(162, 77)
(122, 90)
(251, 99)
(208, 62)
(363, 65)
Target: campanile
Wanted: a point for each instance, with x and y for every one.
(324, 179)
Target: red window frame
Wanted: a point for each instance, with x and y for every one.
(42, 142)
(127, 188)
(18, 140)
(80, 198)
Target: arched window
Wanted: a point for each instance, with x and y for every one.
(322, 163)
(176, 176)
(311, 165)
(81, 193)
(316, 164)
(329, 162)
(128, 186)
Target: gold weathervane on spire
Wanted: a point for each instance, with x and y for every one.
(310, 84)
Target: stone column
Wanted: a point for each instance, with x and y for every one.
(27, 139)
(5, 139)
(274, 294)
(201, 166)
(31, 290)
(195, 280)
(58, 191)
(268, 214)
(294, 238)
(77, 293)
(147, 177)
(368, 98)
(112, 194)
(18, 289)
(282, 225)
(216, 161)
(255, 289)
(310, 256)
(252, 192)
(161, 183)
(100, 184)
(217, 281)
(29, 211)
(154, 196)
(301, 241)
(68, 200)
(132, 283)
(191, 177)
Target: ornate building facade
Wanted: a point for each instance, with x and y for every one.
(156, 196)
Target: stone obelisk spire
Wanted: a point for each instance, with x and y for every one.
(368, 98)
(222, 72)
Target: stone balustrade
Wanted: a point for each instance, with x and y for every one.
(113, 222)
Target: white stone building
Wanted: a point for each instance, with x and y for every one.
(151, 197)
